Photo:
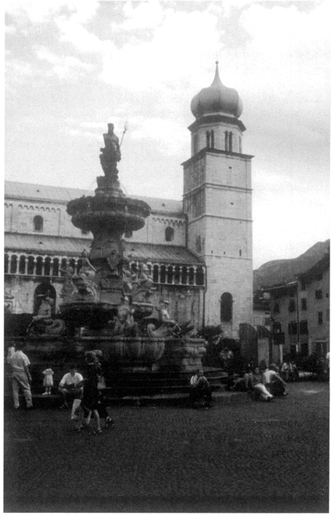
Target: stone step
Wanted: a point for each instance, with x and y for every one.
(178, 398)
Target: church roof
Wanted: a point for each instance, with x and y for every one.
(157, 253)
(63, 246)
(60, 194)
(51, 245)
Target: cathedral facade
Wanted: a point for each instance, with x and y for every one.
(199, 250)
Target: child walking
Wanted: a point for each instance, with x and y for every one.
(48, 381)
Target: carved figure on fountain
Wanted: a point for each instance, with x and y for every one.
(143, 286)
(68, 286)
(124, 322)
(129, 277)
(85, 287)
(113, 253)
(43, 323)
(168, 327)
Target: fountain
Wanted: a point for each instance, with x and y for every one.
(110, 307)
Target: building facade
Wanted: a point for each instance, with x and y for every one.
(199, 250)
(300, 311)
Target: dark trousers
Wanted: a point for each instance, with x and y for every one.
(69, 395)
(199, 393)
(276, 388)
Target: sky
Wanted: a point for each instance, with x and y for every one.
(74, 66)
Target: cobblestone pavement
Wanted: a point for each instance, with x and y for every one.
(237, 457)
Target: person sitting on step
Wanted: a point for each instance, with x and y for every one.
(200, 389)
(68, 386)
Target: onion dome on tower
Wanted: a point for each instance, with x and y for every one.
(217, 99)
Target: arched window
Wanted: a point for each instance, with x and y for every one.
(156, 273)
(6, 263)
(210, 139)
(13, 264)
(200, 276)
(64, 265)
(226, 307)
(184, 276)
(39, 266)
(195, 144)
(191, 276)
(230, 142)
(177, 275)
(72, 263)
(163, 274)
(38, 223)
(226, 141)
(169, 234)
(21, 266)
(47, 271)
(30, 265)
(55, 267)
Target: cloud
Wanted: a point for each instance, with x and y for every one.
(280, 41)
(169, 56)
(167, 135)
(41, 11)
(74, 32)
(145, 15)
(66, 68)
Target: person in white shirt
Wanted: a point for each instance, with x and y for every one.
(21, 376)
(68, 386)
(273, 381)
(200, 389)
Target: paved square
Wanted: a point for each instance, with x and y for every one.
(236, 457)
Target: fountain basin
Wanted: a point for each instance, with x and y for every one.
(135, 353)
(80, 314)
(120, 212)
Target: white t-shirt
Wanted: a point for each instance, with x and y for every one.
(70, 379)
(269, 375)
(19, 361)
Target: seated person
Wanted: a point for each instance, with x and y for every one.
(200, 389)
(68, 386)
(260, 391)
(244, 384)
(273, 381)
(294, 373)
(285, 370)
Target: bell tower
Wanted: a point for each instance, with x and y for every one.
(218, 204)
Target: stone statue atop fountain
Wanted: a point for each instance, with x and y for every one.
(110, 155)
